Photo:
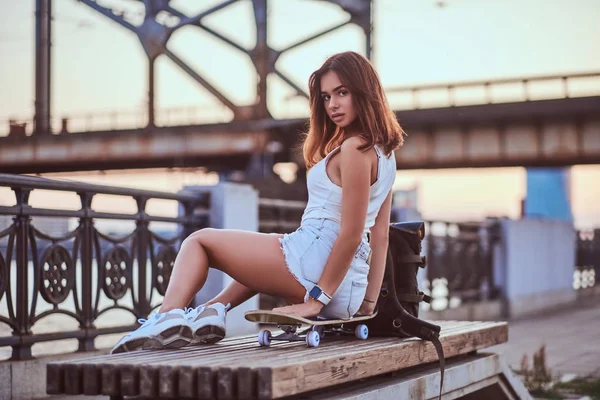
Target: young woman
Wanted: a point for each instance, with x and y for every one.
(333, 264)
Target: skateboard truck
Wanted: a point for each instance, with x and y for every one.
(312, 336)
(317, 328)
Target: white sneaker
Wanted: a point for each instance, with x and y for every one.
(168, 330)
(208, 323)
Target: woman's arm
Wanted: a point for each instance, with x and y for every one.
(355, 168)
(356, 182)
(379, 247)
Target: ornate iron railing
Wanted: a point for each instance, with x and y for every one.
(84, 273)
(460, 257)
(587, 259)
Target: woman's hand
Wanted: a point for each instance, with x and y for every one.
(309, 309)
(366, 308)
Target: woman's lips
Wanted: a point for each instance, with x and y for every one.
(337, 117)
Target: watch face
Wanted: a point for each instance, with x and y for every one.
(315, 292)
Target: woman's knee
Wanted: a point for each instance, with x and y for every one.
(201, 236)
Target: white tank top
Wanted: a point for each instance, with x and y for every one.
(325, 197)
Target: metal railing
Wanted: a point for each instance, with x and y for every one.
(587, 259)
(488, 92)
(460, 257)
(84, 273)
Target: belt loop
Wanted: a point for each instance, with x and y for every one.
(322, 223)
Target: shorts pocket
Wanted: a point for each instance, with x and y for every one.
(310, 244)
(357, 294)
(360, 267)
(313, 260)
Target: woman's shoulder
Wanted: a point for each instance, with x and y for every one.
(352, 144)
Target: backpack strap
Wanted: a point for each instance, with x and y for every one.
(414, 326)
(440, 352)
(414, 298)
(411, 259)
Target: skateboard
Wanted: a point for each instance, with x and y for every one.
(318, 327)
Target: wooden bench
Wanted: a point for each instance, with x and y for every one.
(237, 368)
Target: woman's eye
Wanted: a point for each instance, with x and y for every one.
(343, 92)
(326, 98)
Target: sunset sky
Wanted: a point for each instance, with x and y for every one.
(99, 67)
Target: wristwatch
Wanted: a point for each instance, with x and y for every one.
(318, 294)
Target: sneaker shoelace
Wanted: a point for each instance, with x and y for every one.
(145, 321)
(190, 313)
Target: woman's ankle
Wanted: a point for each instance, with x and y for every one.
(167, 308)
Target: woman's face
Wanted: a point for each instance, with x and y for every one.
(337, 100)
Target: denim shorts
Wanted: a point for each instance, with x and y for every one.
(306, 252)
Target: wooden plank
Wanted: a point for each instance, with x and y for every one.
(72, 377)
(129, 380)
(54, 379)
(187, 385)
(299, 376)
(148, 381)
(205, 383)
(226, 389)
(111, 383)
(91, 379)
(264, 386)
(246, 383)
(167, 381)
(96, 370)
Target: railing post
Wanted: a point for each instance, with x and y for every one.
(22, 351)
(87, 248)
(142, 240)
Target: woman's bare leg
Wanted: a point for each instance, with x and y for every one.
(235, 294)
(255, 260)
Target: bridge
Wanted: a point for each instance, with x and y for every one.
(474, 124)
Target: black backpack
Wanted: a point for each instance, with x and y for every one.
(398, 303)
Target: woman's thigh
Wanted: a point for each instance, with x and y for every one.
(253, 259)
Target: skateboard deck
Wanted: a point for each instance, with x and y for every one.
(275, 318)
(318, 327)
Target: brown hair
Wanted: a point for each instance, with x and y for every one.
(377, 122)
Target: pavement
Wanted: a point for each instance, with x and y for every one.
(571, 337)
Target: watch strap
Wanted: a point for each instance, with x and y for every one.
(319, 294)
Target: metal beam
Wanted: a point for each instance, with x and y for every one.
(43, 29)
(551, 142)
(536, 133)
(221, 147)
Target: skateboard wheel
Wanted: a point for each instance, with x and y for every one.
(361, 331)
(313, 339)
(264, 338)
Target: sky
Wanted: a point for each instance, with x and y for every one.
(99, 68)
